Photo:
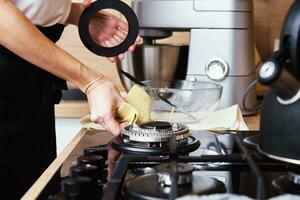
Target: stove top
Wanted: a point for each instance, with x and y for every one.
(182, 163)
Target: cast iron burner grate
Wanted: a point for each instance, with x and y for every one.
(154, 138)
(150, 148)
(239, 162)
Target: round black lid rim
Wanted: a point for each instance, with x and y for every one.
(124, 9)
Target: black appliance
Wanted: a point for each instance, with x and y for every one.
(279, 125)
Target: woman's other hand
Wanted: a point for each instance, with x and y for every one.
(108, 30)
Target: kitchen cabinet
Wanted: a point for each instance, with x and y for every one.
(66, 129)
(67, 121)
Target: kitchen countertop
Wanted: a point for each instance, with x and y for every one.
(71, 109)
(252, 122)
(75, 148)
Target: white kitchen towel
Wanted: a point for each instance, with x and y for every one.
(87, 123)
(226, 119)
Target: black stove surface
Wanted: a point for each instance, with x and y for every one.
(223, 161)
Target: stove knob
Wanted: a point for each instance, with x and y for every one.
(97, 150)
(57, 196)
(98, 161)
(78, 188)
(217, 69)
(90, 171)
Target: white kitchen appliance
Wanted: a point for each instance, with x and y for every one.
(221, 47)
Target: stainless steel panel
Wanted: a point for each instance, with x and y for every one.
(235, 47)
(181, 15)
(155, 62)
(223, 5)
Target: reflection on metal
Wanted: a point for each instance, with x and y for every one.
(288, 160)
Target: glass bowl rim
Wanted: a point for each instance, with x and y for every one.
(214, 86)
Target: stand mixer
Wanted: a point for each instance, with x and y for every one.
(221, 47)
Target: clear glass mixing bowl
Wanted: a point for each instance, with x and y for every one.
(182, 101)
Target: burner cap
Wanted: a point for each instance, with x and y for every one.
(181, 168)
(155, 131)
(156, 125)
(184, 172)
(145, 187)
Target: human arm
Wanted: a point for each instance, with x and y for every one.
(20, 36)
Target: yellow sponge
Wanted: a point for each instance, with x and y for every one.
(137, 107)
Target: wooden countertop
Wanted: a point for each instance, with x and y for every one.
(71, 109)
(88, 138)
(252, 122)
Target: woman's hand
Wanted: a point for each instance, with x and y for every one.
(108, 30)
(104, 101)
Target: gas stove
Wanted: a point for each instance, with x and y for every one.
(160, 160)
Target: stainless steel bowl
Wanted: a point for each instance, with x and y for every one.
(155, 62)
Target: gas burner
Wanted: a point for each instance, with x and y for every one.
(153, 138)
(289, 183)
(139, 148)
(155, 131)
(184, 172)
(158, 185)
